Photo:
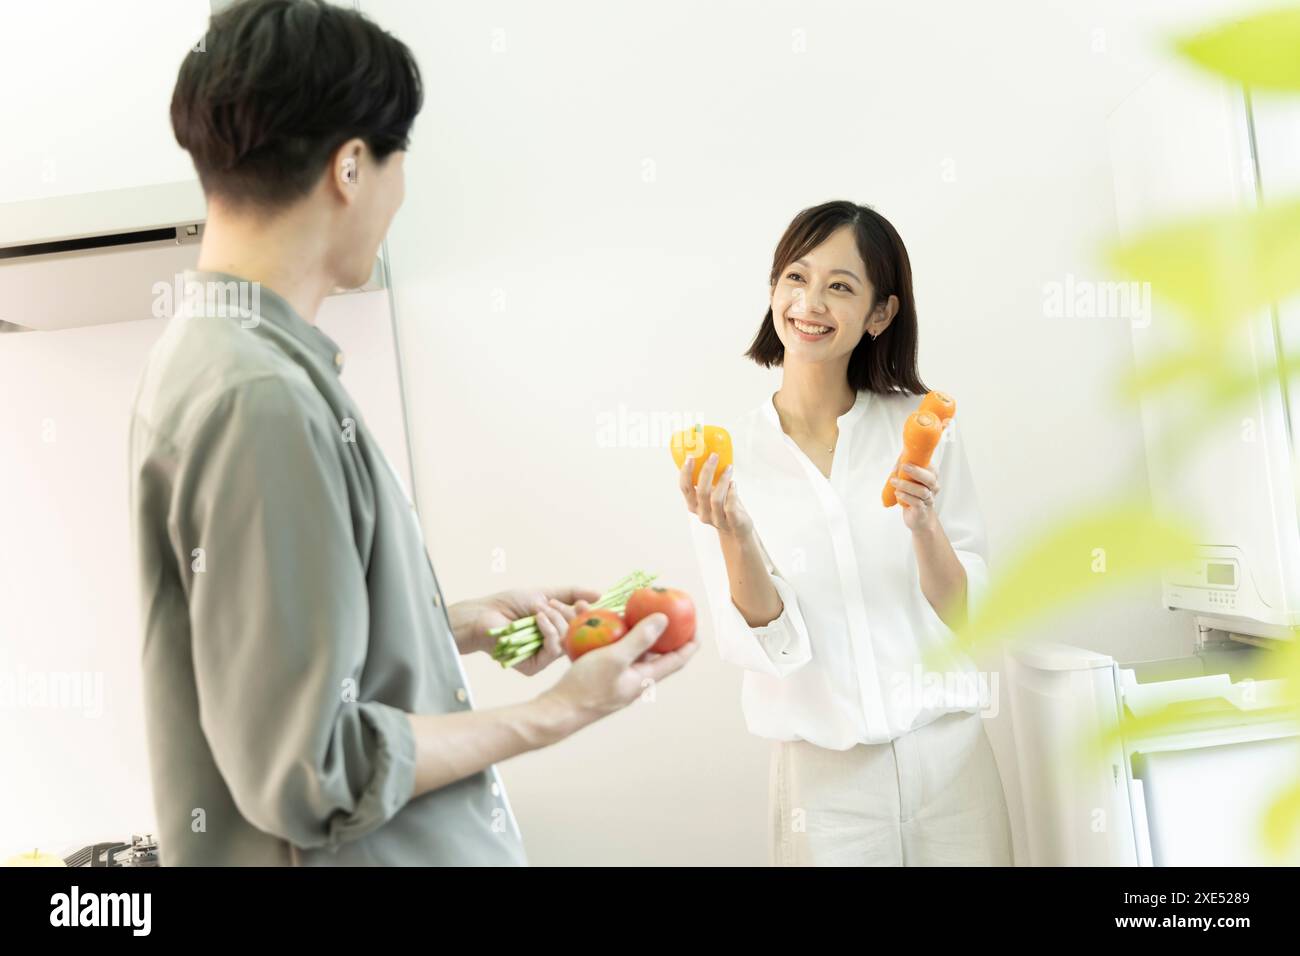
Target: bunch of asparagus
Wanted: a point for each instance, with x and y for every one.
(520, 640)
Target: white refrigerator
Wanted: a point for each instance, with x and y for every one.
(1185, 144)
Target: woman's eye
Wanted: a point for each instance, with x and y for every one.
(796, 277)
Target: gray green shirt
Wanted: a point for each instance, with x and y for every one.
(291, 614)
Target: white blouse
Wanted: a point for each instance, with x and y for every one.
(842, 664)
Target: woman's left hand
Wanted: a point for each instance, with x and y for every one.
(918, 491)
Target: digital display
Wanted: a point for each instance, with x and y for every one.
(1220, 574)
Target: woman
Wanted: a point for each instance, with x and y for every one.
(827, 598)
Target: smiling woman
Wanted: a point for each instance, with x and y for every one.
(837, 263)
(830, 602)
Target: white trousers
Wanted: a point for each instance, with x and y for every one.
(932, 797)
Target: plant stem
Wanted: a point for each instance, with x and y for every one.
(521, 639)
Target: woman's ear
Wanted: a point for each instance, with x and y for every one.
(883, 314)
(891, 309)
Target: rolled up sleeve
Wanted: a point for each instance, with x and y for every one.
(963, 523)
(279, 620)
(778, 648)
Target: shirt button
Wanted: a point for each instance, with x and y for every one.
(461, 695)
(338, 359)
(437, 599)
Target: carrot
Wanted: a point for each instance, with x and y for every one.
(941, 404)
(918, 442)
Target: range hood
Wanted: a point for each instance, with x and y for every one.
(103, 278)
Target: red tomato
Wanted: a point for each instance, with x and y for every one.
(676, 604)
(592, 630)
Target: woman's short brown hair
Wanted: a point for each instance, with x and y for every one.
(886, 364)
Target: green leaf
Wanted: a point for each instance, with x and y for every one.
(1185, 367)
(1280, 825)
(1110, 545)
(1258, 51)
(1218, 269)
(1208, 398)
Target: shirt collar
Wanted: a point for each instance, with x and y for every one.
(271, 307)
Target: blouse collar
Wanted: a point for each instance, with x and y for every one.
(847, 420)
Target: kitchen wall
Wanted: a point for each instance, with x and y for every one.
(592, 204)
(71, 719)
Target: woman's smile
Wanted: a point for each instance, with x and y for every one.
(810, 331)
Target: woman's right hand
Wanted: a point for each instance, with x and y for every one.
(717, 505)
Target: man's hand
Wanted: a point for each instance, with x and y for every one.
(609, 678)
(450, 747)
(553, 607)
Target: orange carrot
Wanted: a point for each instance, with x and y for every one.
(938, 406)
(941, 404)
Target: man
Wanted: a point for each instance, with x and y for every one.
(304, 697)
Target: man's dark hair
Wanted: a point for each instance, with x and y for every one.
(278, 85)
(884, 365)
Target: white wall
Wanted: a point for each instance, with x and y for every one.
(594, 193)
(545, 282)
(76, 768)
(88, 113)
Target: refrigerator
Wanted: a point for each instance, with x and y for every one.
(1185, 144)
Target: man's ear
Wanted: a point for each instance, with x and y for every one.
(344, 171)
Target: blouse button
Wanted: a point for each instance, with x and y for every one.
(338, 359)
(437, 599)
(461, 695)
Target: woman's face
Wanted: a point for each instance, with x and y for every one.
(820, 302)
